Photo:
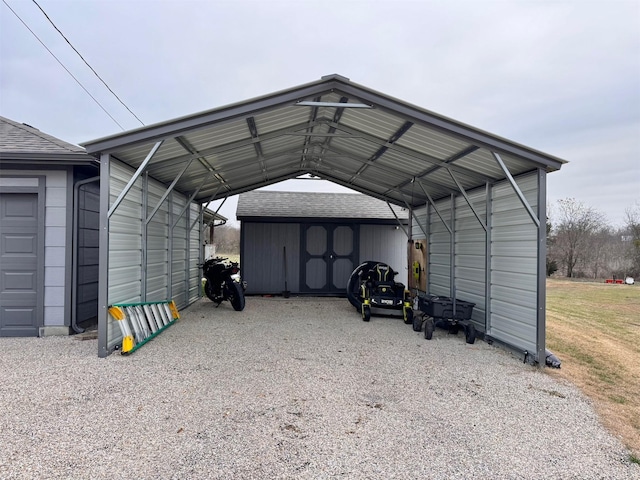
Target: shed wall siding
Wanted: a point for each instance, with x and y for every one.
(386, 244)
(262, 257)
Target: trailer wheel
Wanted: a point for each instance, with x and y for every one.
(428, 328)
(417, 323)
(470, 334)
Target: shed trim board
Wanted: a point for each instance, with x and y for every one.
(393, 151)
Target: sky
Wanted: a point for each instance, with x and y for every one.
(562, 77)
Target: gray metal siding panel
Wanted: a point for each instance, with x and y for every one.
(195, 247)
(514, 265)
(262, 257)
(421, 215)
(179, 257)
(88, 246)
(439, 251)
(125, 247)
(470, 241)
(125, 256)
(385, 244)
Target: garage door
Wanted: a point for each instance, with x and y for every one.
(19, 264)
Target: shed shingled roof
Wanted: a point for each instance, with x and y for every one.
(315, 205)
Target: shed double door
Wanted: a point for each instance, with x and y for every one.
(329, 255)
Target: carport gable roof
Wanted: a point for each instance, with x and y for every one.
(332, 128)
(268, 205)
(22, 143)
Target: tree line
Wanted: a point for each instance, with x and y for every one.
(581, 243)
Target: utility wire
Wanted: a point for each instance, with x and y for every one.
(61, 64)
(86, 63)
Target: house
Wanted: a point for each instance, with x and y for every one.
(49, 202)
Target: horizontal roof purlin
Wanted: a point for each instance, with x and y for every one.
(378, 151)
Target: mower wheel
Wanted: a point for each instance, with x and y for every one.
(408, 315)
(366, 313)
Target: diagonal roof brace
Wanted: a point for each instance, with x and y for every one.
(168, 191)
(134, 178)
(397, 219)
(466, 197)
(433, 204)
(413, 214)
(516, 189)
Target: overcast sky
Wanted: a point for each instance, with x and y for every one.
(562, 77)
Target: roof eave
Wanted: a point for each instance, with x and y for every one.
(39, 158)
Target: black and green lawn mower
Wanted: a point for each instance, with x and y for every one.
(372, 285)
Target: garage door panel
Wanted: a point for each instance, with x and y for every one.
(19, 264)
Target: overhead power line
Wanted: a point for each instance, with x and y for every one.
(86, 63)
(62, 65)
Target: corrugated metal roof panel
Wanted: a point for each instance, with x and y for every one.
(403, 141)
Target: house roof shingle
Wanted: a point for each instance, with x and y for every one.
(21, 142)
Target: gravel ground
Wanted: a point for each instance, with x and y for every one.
(295, 388)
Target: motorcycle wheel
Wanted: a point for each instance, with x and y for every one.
(208, 291)
(236, 296)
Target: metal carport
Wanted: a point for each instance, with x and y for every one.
(479, 200)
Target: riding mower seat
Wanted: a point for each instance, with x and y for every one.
(380, 290)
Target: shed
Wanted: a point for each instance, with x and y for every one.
(477, 201)
(49, 198)
(324, 235)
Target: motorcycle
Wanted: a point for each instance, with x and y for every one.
(223, 282)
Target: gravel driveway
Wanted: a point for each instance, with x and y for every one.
(293, 388)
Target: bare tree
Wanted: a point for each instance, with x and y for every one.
(632, 215)
(577, 226)
(227, 239)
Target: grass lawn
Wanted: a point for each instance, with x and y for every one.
(594, 328)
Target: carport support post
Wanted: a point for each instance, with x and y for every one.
(487, 260)
(103, 257)
(542, 267)
(452, 254)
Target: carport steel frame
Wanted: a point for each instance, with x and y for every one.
(367, 100)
